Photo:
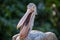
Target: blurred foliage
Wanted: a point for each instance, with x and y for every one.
(12, 10)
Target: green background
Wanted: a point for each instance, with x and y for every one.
(12, 10)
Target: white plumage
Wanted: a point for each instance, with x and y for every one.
(37, 35)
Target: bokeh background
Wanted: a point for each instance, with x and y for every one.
(47, 19)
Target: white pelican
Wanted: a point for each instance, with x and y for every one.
(26, 25)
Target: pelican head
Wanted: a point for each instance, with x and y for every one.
(31, 9)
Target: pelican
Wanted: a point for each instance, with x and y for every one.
(26, 24)
(27, 21)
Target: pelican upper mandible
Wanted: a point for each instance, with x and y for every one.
(26, 22)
